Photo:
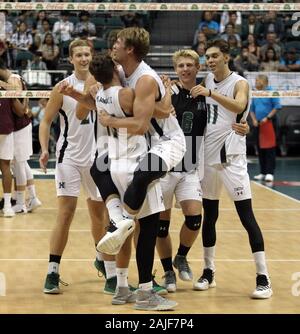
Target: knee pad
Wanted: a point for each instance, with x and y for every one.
(193, 223)
(163, 228)
(20, 173)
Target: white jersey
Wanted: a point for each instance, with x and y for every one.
(160, 129)
(121, 144)
(220, 140)
(76, 144)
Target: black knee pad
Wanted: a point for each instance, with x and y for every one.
(163, 228)
(193, 223)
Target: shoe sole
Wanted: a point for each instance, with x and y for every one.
(211, 285)
(111, 243)
(55, 291)
(267, 296)
(155, 308)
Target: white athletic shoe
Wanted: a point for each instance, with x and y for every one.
(206, 281)
(33, 204)
(259, 177)
(8, 212)
(269, 178)
(263, 288)
(18, 208)
(115, 236)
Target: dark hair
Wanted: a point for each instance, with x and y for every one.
(102, 68)
(219, 43)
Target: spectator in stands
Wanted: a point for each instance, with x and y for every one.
(37, 26)
(209, 27)
(270, 61)
(202, 59)
(273, 24)
(8, 26)
(199, 37)
(234, 49)
(271, 42)
(63, 29)
(252, 26)
(252, 45)
(262, 112)
(230, 30)
(24, 16)
(246, 61)
(46, 30)
(131, 19)
(85, 25)
(37, 62)
(290, 61)
(235, 18)
(50, 52)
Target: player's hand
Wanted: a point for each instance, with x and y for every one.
(104, 118)
(94, 89)
(65, 88)
(173, 111)
(166, 81)
(44, 157)
(199, 90)
(241, 129)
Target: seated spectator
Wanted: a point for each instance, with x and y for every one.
(199, 37)
(273, 24)
(230, 30)
(63, 29)
(131, 19)
(252, 45)
(246, 61)
(252, 26)
(85, 25)
(270, 61)
(234, 48)
(290, 62)
(209, 27)
(50, 52)
(37, 26)
(271, 42)
(8, 26)
(202, 59)
(37, 62)
(235, 18)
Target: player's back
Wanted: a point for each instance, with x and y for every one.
(76, 143)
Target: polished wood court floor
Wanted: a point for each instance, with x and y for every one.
(24, 248)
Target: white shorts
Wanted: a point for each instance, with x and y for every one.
(122, 174)
(23, 143)
(68, 179)
(234, 176)
(185, 186)
(7, 146)
(171, 151)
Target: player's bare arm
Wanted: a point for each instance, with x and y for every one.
(91, 86)
(143, 108)
(236, 105)
(51, 110)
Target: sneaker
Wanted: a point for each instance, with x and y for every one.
(8, 212)
(269, 178)
(259, 177)
(33, 204)
(158, 288)
(115, 236)
(263, 288)
(170, 281)
(206, 281)
(52, 284)
(184, 270)
(99, 265)
(123, 295)
(149, 300)
(110, 285)
(18, 208)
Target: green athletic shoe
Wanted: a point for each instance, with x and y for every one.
(99, 265)
(160, 290)
(110, 285)
(52, 284)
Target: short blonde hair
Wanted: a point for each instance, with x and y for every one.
(185, 53)
(78, 42)
(138, 38)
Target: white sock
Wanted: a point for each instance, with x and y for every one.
(110, 269)
(209, 255)
(53, 267)
(127, 214)
(146, 286)
(114, 208)
(31, 191)
(7, 198)
(20, 197)
(260, 263)
(122, 277)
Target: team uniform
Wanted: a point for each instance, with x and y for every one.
(75, 149)
(6, 130)
(165, 136)
(184, 179)
(224, 151)
(125, 151)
